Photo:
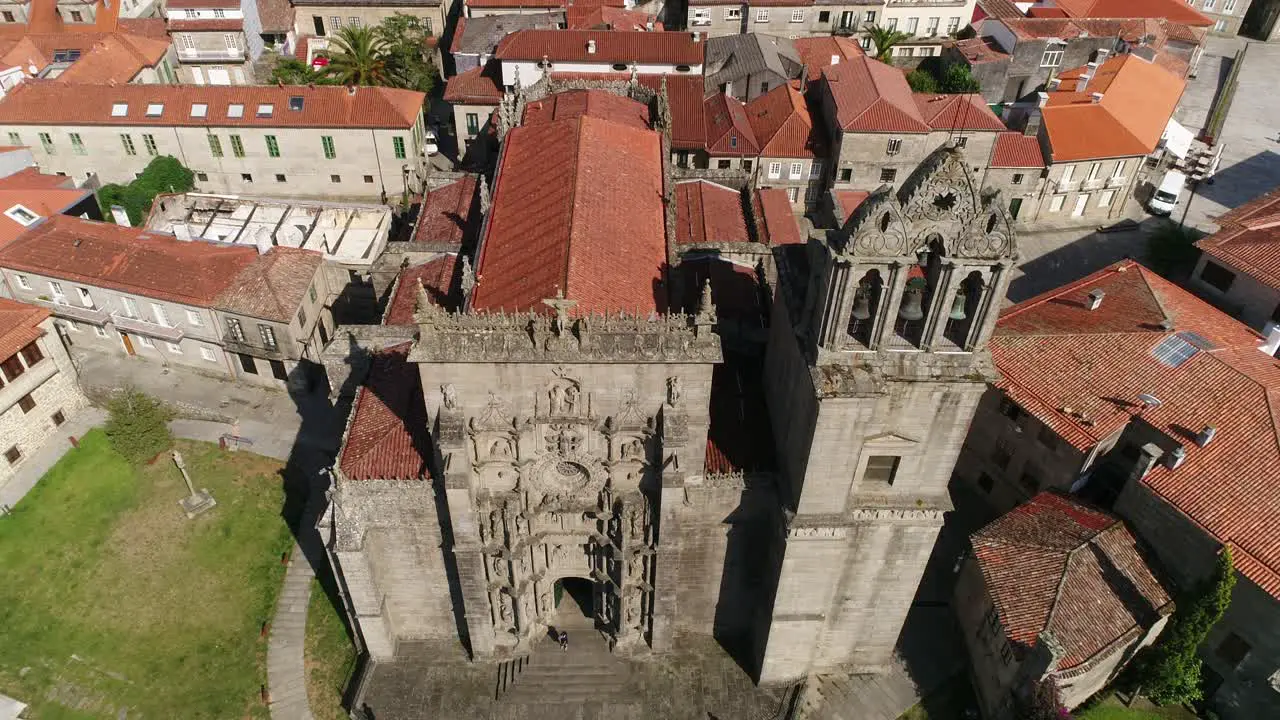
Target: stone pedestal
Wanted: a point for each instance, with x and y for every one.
(197, 503)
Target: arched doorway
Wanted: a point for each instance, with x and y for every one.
(575, 599)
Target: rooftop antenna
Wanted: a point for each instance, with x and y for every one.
(1149, 400)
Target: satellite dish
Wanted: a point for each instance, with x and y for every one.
(291, 236)
(1149, 400)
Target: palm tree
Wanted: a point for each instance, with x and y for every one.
(358, 58)
(884, 39)
(292, 71)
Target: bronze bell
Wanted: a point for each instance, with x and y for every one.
(957, 306)
(911, 309)
(862, 303)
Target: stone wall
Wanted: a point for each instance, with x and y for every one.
(51, 384)
(1246, 298)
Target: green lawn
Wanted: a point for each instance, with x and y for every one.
(111, 600)
(331, 656)
(1113, 709)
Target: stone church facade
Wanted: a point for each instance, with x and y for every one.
(492, 453)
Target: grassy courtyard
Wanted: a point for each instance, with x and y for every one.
(111, 600)
(331, 656)
(1111, 708)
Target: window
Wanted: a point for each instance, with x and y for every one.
(1229, 6)
(1177, 349)
(1055, 205)
(77, 16)
(237, 332)
(1220, 26)
(22, 282)
(230, 40)
(1210, 4)
(397, 144)
(119, 109)
(273, 148)
(1105, 198)
(746, 164)
(336, 22)
(58, 418)
(473, 124)
(1011, 410)
(31, 354)
(146, 342)
(215, 146)
(311, 293)
(775, 170)
(869, 17)
(1217, 277)
(793, 194)
(796, 170)
(953, 25)
(155, 109)
(99, 331)
(1018, 178)
(302, 317)
(130, 307)
(247, 364)
(891, 23)
(894, 147)
(1094, 169)
(846, 174)
(157, 311)
(1118, 171)
(326, 142)
(762, 16)
(933, 25)
(912, 24)
(149, 142)
(906, 52)
(207, 354)
(8, 16)
(724, 164)
(797, 16)
(268, 336)
(926, 52)
(127, 140)
(1233, 649)
(237, 147)
(15, 138)
(703, 17)
(336, 179)
(13, 455)
(729, 14)
(77, 145)
(353, 21)
(265, 110)
(85, 298)
(21, 215)
(881, 468)
(193, 319)
(296, 103)
(12, 368)
(888, 175)
(280, 178)
(367, 178)
(219, 13)
(234, 111)
(246, 177)
(26, 403)
(47, 141)
(59, 296)
(1052, 56)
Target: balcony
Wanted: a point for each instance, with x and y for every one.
(79, 313)
(925, 3)
(144, 327)
(1115, 182)
(1065, 187)
(231, 344)
(214, 55)
(1093, 184)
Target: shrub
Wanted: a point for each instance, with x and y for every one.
(137, 425)
(163, 174)
(922, 81)
(956, 78)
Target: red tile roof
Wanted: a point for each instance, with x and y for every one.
(777, 222)
(577, 209)
(999, 8)
(445, 214)
(387, 438)
(980, 50)
(208, 25)
(1248, 239)
(684, 96)
(45, 195)
(19, 326)
(1080, 372)
(273, 286)
(1175, 10)
(1138, 98)
(612, 46)
(1015, 150)
(957, 112)
(201, 4)
(276, 16)
(131, 260)
(782, 125)
(870, 96)
(477, 86)
(580, 17)
(709, 213)
(517, 3)
(1054, 564)
(595, 103)
(819, 52)
(847, 201)
(42, 102)
(436, 276)
(728, 130)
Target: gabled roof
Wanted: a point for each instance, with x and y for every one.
(586, 17)
(1248, 239)
(1080, 372)
(783, 126)
(978, 50)
(684, 95)
(436, 277)
(775, 221)
(1015, 150)
(728, 130)
(19, 326)
(45, 195)
(957, 112)
(477, 86)
(846, 202)
(481, 35)
(1054, 564)
(276, 16)
(707, 213)
(1175, 10)
(388, 438)
(577, 210)
(819, 52)
(273, 286)
(1138, 97)
(445, 215)
(595, 103)
(734, 57)
(611, 46)
(870, 96)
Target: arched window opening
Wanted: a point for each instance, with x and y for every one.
(866, 304)
(964, 308)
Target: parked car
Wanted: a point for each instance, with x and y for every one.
(1166, 196)
(431, 147)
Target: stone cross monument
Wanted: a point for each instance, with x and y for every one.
(196, 502)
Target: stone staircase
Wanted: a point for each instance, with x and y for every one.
(586, 672)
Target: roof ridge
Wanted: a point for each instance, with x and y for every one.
(1062, 583)
(1037, 300)
(578, 179)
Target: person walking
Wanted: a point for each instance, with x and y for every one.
(564, 641)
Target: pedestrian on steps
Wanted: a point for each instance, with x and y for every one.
(564, 640)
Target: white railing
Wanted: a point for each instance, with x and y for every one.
(217, 54)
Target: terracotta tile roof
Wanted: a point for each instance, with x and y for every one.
(684, 95)
(847, 201)
(1015, 150)
(728, 130)
(999, 8)
(131, 260)
(42, 102)
(1080, 372)
(980, 50)
(1248, 239)
(19, 326)
(276, 16)
(481, 35)
(870, 96)
(45, 195)
(517, 3)
(783, 126)
(776, 221)
(273, 286)
(579, 17)
(209, 25)
(739, 438)
(577, 209)
(1138, 98)
(709, 213)
(957, 112)
(612, 46)
(818, 52)
(1046, 13)
(436, 276)
(1054, 564)
(387, 438)
(104, 56)
(477, 86)
(1175, 10)
(200, 4)
(594, 103)
(152, 27)
(445, 214)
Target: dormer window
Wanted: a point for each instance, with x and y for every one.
(199, 109)
(235, 111)
(21, 215)
(265, 110)
(119, 109)
(295, 103)
(155, 109)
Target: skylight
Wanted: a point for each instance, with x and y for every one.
(21, 215)
(155, 109)
(235, 111)
(199, 109)
(1179, 348)
(265, 110)
(295, 102)
(119, 109)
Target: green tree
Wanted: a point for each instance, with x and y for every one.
(292, 71)
(1169, 673)
(164, 174)
(884, 39)
(956, 78)
(922, 81)
(406, 40)
(357, 57)
(137, 425)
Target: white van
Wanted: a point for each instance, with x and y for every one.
(1166, 197)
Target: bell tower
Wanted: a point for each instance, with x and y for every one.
(876, 362)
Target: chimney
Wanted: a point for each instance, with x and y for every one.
(351, 89)
(120, 216)
(696, 37)
(1101, 55)
(1205, 436)
(1272, 344)
(1090, 69)
(1034, 118)
(1055, 83)
(1096, 97)
(648, 25)
(1094, 300)
(591, 47)
(835, 59)
(1147, 458)
(1174, 457)
(1042, 99)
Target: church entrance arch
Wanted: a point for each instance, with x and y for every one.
(575, 599)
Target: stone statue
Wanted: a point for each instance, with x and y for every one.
(495, 525)
(571, 394)
(674, 391)
(504, 608)
(449, 396)
(556, 395)
(632, 449)
(485, 198)
(195, 502)
(501, 449)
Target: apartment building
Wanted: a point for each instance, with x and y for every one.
(38, 390)
(324, 18)
(529, 54)
(210, 40)
(323, 142)
(785, 18)
(749, 65)
(927, 22)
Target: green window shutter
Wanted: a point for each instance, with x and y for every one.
(397, 142)
(215, 146)
(237, 147)
(273, 148)
(327, 142)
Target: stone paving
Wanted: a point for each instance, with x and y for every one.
(286, 661)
